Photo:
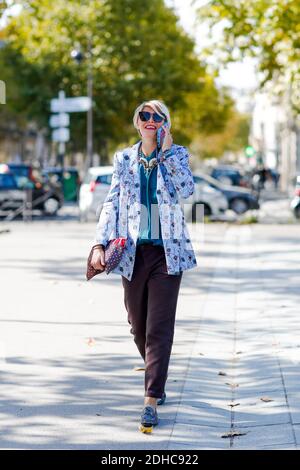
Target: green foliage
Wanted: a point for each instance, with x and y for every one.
(3, 7)
(266, 29)
(248, 219)
(232, 138)
(139, 52)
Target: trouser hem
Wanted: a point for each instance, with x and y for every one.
(152, 395)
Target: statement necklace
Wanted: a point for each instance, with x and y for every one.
(148, 165)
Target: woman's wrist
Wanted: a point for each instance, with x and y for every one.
(98, 246)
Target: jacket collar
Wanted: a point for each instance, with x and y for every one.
(134, 152)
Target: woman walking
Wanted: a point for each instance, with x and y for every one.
(143, 206)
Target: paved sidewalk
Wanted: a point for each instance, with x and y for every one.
(242, 389)
(68, 362)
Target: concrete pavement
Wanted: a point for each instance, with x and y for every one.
(68, 361)
(241, 390)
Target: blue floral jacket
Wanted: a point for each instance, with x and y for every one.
(121, 210)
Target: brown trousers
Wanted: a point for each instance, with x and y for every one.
(150, 299)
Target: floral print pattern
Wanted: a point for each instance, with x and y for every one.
(121, 210)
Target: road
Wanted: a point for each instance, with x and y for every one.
(69, 377)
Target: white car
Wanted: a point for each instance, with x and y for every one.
(93, 191)
(207, 200)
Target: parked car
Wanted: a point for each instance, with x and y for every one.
(228, 174)
(295, 204)
(93, 190)
(46, 197)
(67, 177)
(214, 202)
(97, 182)
(11, 198)
(239, 199)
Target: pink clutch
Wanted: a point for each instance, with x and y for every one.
(113, 254)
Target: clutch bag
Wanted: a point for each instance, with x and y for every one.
(112, 255)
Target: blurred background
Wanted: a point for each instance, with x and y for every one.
(73, 72)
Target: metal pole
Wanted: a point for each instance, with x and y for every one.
(61, 145)
(27, 213)
(90, 111)
(61, 154)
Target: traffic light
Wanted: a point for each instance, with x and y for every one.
(249, 151)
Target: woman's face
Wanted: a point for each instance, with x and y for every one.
(148, 129)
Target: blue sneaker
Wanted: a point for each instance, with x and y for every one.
(161, 400)
(149, 419)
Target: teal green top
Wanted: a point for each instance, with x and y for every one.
(148, 179)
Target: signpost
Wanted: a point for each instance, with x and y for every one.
(60, 122)
(70, 105)
(2, 92)
(62, 134)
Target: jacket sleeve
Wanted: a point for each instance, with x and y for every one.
(176, 162)
(108, 219)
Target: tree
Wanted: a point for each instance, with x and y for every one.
(3, 7)
(138, 52)
(266, 29)
(233, 138)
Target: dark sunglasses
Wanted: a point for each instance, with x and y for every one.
(145, 116)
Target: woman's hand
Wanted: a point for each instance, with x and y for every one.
(98, 259)
(168, 141)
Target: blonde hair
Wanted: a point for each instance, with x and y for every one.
(158, 106)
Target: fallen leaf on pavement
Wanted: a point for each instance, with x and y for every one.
(232, 385)
(233, 404)
(139, 368)
(91, 342)
(233, 434)
(222, 373)
(266, 399)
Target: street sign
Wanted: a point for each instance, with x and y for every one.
(62, 134)
(71, 105)
(2, 92)
(59, 120)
